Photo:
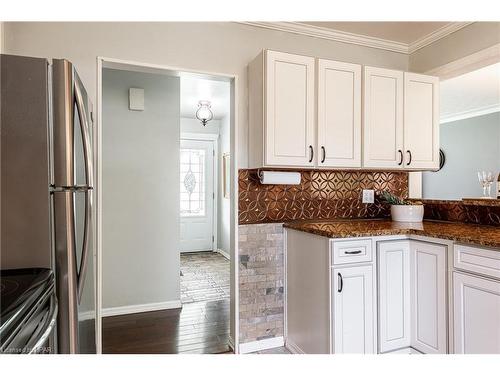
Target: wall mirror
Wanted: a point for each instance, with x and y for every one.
(469, 136)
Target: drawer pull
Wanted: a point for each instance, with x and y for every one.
(352, 252)
(341, 283)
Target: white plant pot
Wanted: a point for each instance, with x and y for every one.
(407, 213)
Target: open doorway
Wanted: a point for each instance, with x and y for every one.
(165, 209)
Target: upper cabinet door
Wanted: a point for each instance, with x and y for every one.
(289, 110)
(383, 118)
(421, 121)
(339, 114)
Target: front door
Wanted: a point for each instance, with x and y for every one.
(197, 195)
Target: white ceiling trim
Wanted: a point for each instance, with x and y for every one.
(362, 40)
(330, 34)
(471, 113)
(436, 35)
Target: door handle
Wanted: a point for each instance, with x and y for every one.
(324, 154)
(311, 150)
(85, 129)
(400, 157)
(85, 246)
(341, 282)
(352, 252)
(409, 154)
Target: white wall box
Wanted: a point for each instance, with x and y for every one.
(476, 314)
(281, 110)
(339, 114)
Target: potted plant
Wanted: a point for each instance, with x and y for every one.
(403, 210)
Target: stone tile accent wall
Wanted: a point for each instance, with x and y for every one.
(261, 281)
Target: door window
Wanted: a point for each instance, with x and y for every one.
(192, 182)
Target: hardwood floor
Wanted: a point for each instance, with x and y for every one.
(197, 327)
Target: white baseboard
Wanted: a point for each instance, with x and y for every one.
(408, 350)
(255, 346)
(223, 253)
(293, 348)
(134, 309)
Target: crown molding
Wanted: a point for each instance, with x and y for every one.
(330, 34)
(436, 35)
(470, 113)
(362, 40)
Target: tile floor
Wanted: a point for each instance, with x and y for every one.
(204, 277)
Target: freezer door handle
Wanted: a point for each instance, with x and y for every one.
(85, 246)
(85, 125)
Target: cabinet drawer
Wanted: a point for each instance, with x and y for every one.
(477, 260)
(352, 251)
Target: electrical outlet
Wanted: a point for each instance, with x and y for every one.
(368, 196)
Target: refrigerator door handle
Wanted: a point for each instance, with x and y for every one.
(85, 129)
(85, 246)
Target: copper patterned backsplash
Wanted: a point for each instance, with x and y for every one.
(321, 195)
(462, 212)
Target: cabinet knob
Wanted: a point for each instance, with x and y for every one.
(324, 154)
(311, 152)
(400, 157)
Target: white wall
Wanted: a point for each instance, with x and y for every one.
(223, 210)
(192, 125)
(470, 145)
(140, 190)
(221, 47)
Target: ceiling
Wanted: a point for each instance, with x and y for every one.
(402, 32)
(472, 94)
(194, 89)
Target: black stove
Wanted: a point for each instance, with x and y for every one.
(22, 294)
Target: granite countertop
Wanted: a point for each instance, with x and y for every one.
(460, 232)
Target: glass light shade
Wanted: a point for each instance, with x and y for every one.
(204, 113)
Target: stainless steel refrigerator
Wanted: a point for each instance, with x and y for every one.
(47, 187)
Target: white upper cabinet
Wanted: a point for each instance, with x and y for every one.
(421, 121)
(383, 118)
(282, 109)
(339, 114)
(306, 113)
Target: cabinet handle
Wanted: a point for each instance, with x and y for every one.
(341, 282)
(311, 153)
(400, 157)
(324, 154)
(353, 252)
(409, 154)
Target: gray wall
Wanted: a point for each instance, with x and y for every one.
(140, 187)
(221, 47)
(466, 41)
(470, 145)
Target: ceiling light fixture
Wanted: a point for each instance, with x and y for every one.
(204, 113)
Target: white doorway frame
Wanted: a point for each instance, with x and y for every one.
(107, 62)
(214, 138)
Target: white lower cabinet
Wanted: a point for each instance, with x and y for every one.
(394, 295)
(412, 296)
(353, 299)
(428, 297)
(476, 314)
